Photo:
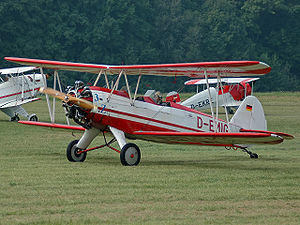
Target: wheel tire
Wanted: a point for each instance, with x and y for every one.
(33, 118)
(15, 118)
(254, 156)
(72, 154)
(130, 155)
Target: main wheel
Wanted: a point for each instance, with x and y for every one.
(72, 152)
(130, 155)
(15, 118)
(33, 118)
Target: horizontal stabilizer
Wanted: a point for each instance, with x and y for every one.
(208, 138)
(281, 134)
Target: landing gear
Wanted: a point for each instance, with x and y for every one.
(15, 118)
(33, 117)
(252, 154)
(72, 152)
(130, 155)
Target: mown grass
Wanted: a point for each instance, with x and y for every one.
(172, 185)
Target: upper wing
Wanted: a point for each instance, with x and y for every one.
(204, 138)
(22, 69)
(234, 80)
(197, 69)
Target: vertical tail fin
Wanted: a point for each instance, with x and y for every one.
(250, 115)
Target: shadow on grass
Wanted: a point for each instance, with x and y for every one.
(226, 162)
(239, 162)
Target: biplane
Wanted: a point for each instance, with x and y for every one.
(18, 88)
(129, 116)
(233, 92)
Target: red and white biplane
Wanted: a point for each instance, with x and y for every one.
(127, 115)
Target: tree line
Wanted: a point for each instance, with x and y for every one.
(156, 31)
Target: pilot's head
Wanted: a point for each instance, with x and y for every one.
(158, 97)
(78, 84)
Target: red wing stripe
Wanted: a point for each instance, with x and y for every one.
(203, 134)
(196, 64)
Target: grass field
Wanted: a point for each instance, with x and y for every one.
(172, 185)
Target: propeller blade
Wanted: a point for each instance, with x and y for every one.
(54, 93)
(69, 98)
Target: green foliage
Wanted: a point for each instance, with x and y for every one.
(127, 32)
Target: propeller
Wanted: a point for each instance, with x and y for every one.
(68, 98)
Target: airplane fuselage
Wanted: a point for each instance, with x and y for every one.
(19, 88)
(118, 111)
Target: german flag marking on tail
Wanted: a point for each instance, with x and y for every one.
(249, 108)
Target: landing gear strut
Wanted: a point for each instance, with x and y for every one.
(252, 154)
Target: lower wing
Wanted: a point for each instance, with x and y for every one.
(53, 125)
(214, 139)
(17, 103)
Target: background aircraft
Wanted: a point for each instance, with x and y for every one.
(18, 88)
(230, 95)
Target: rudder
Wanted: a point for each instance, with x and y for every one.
(250, 115)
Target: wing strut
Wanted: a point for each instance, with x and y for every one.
(56, 80)
(47, 96)
(137, 87)
(127, 86)
(56, 77)
(98, 77)
(217, 97)
(23, 83)
(115, 85)
(128, 89)
(225, 104)
(106, 79)
(210, 100)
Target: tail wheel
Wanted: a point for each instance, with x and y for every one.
(253, 156)
(130, 155)
(72, 152)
